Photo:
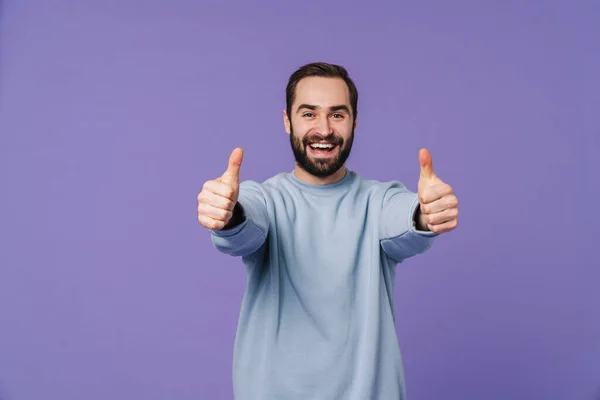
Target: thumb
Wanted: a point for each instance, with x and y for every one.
(232, 175)
(426, 164)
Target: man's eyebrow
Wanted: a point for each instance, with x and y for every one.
(333, 108)
(308, 106)
(340, 108)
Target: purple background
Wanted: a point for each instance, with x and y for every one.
(114, 113)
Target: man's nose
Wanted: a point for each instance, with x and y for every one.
(323, 126)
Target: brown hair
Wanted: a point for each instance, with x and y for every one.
(325, 70)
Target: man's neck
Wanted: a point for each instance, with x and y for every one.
(316, 180)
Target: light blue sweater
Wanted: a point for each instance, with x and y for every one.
(317, 319)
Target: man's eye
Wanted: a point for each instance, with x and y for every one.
(338, 116)
(308, 115)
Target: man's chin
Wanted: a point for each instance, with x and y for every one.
(321, 169)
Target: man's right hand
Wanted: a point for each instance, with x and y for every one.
(219, 196)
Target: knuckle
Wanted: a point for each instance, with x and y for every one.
(219, 214)
(205, 222)
(452, 202)
(226, 215)
(216, 225)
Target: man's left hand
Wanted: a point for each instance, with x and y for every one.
(438, 204)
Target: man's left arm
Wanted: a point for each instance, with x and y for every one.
(410, 221)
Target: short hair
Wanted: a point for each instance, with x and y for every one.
(320, 69)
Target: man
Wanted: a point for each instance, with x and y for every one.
(321, 245)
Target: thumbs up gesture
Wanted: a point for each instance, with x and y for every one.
(219, 196)
(438, 204)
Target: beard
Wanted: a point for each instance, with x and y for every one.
(321, 167)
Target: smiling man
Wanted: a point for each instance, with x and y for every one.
(321, 245)
(324, 114)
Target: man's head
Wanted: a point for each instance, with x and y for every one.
(320, 117)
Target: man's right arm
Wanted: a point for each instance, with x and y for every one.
(248, 227)
(236, 214)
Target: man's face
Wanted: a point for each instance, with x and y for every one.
(321, 125)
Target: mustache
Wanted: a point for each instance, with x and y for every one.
(332, 139)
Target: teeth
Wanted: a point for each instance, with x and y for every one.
(321, 145)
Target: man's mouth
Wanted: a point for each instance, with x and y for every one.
(322, 145)
(322, 148)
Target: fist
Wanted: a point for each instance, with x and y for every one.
(438, 203)
(219, 196)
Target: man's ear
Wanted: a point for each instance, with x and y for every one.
(286, 122)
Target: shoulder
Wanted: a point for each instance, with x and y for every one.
(379, 187)
(265, 187)
(267, 184)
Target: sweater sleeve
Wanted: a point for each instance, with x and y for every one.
(398, 235)
(248, 236)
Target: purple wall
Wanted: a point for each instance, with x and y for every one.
(113, 114)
